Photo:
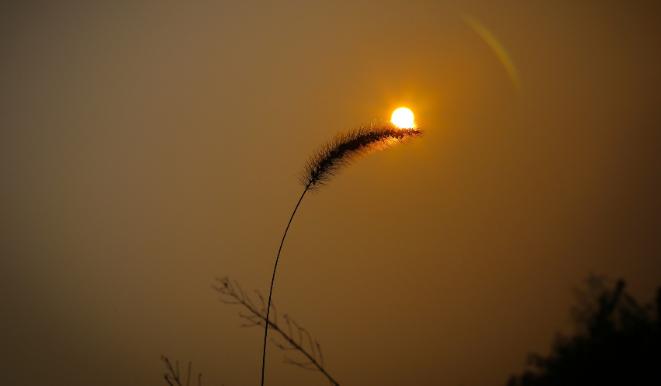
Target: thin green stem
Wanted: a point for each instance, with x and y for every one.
(275, 267)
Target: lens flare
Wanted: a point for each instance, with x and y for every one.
(497, 48)
(403, 118)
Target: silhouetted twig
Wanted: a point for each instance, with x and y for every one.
(292, 336)
(173, 376)
(324, 164)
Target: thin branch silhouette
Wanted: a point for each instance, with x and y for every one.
(173, 375)
(292, 337)
(321, 167)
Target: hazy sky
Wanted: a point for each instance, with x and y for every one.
(148, 147)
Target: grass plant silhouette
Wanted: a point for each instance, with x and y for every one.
(292, 337)
(173, 374)
(324, 164)
(296, 342)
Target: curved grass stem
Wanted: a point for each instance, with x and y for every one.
(275, 267)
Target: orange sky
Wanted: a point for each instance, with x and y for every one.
(147, 147)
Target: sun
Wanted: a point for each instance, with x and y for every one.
(403, 118)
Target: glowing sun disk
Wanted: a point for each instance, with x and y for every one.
(403, 118)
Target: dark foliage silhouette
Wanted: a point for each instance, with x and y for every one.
(617, 342)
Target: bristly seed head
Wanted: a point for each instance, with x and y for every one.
(345, 147)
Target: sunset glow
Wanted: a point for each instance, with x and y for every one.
(403, 118)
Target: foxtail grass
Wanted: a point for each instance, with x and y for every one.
(321, 167)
